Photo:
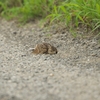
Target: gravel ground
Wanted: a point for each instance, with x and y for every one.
(72, 74)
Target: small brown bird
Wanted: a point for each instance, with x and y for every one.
(44, 48)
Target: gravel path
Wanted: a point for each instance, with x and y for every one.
(72, 74)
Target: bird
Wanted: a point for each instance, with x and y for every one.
(44, 48)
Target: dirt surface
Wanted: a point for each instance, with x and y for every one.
(72, 74)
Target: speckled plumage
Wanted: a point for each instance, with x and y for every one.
(44, 48)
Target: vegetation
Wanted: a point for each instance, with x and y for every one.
(76, 12)
(71, 12)
(25, 10)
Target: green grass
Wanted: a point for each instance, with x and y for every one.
(77, 12)
(25, 10)
(71, 12)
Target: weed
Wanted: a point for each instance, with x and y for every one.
(72, 13)
(25, 10)
(76, 12)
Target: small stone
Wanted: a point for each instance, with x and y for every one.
(51, 74)
(23, 55)
(18, 69)
(15, 32)
(6, 77)
(13, 78)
